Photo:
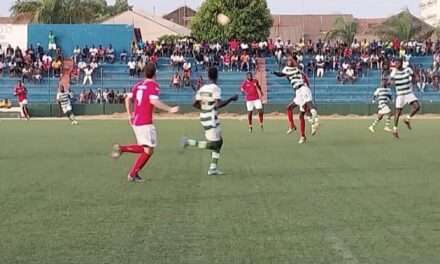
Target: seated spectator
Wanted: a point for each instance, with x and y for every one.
(37, 75)
(101, 54)
(123, 56)
(57, 66)
(227, 62)
(111, 97)
(93, 53)
(75, 74)
(91, 97)
(82, 97)
(244, 59)
(110, 54)
(349, 75)
(27, 73)
(176, 81)
(105, 96)
(140, 65)
(187, 73)
(199, 61)
(94, 64)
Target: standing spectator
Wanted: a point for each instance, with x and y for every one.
(52, 41)
(131, 67)
(76, 54)
(88, 75)
(244, 61)
(110, 54)
(82, 97)
(320, 65)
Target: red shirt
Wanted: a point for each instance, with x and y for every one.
(21, 93)
(142, 93)
(249, 88)
(227, 59)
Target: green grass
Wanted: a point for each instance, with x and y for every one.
(345, 197)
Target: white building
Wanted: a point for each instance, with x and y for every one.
(430, 12)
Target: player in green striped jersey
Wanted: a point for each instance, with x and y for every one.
(383, 97)
(208, 101)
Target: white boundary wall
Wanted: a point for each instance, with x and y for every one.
(15, 35)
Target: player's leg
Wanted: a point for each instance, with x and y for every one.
(415, 108)
(26, 112)
(372, 127)
(249, 117)
(260, 110)
(71, 117)
(396, 122)
(140, 163)
(291, 124)
(302, 122)
(215, 146)
(311, 108)
(387, 127)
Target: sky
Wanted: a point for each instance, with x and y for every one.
(359, 8)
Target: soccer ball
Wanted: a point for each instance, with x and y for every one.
(223, 19)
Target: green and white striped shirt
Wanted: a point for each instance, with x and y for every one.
(383, 96)
(208, 96)
(402, 81)
(295, 77)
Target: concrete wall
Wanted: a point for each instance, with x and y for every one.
(68, 36)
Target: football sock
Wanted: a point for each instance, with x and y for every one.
(132, 149)
(408, 117)
(261, 117)
(303, 125)
(375, 123)
(214, 160)
(198, 144)
(139, 164)
(388, 121)
(250, 119)
(290, 118)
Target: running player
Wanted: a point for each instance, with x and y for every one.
(402, 79)
(303, 98)
(383, 97)
(208, 100)
(252, 90)
(20, 92)
(145, 97)
(64, 98)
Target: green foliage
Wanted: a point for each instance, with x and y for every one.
(404, 26)
(67, 11)
(169, 39)
(343, 30)
(250, 20)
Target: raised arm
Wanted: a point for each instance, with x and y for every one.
(279, 74)
(221, 103)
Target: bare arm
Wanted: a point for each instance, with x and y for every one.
(164, 107)
(279, 74)
(259, 88)
(220, 103)
(128, 106)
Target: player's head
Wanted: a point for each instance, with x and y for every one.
(249, 76)
(291, 61)
(213, 74)
(150, 70)
(20, 83)
(399, 63)
(384, 83)
(61, 88)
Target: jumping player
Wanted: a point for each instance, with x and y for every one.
(252, 90)
(383, 97)
(145, 98)
(303, 98)
(20, 92)
(208, 100)
(402, 79)
(64, 98)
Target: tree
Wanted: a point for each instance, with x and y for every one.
(344, 30)
(250, 20)
(404, 26)
(67, 11)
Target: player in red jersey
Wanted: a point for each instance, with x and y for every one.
(252, 90)
(145, 98)
(20, 92)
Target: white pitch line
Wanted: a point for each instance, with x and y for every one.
(339, 246)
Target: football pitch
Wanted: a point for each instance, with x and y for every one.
(347, 196)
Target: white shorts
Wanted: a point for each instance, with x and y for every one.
(303, 96)
(402, 100)
(255, 104)
(23, 103)
(66, 108)
(52, 46)
(384, 110)
(213, 134)
(146, 135)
